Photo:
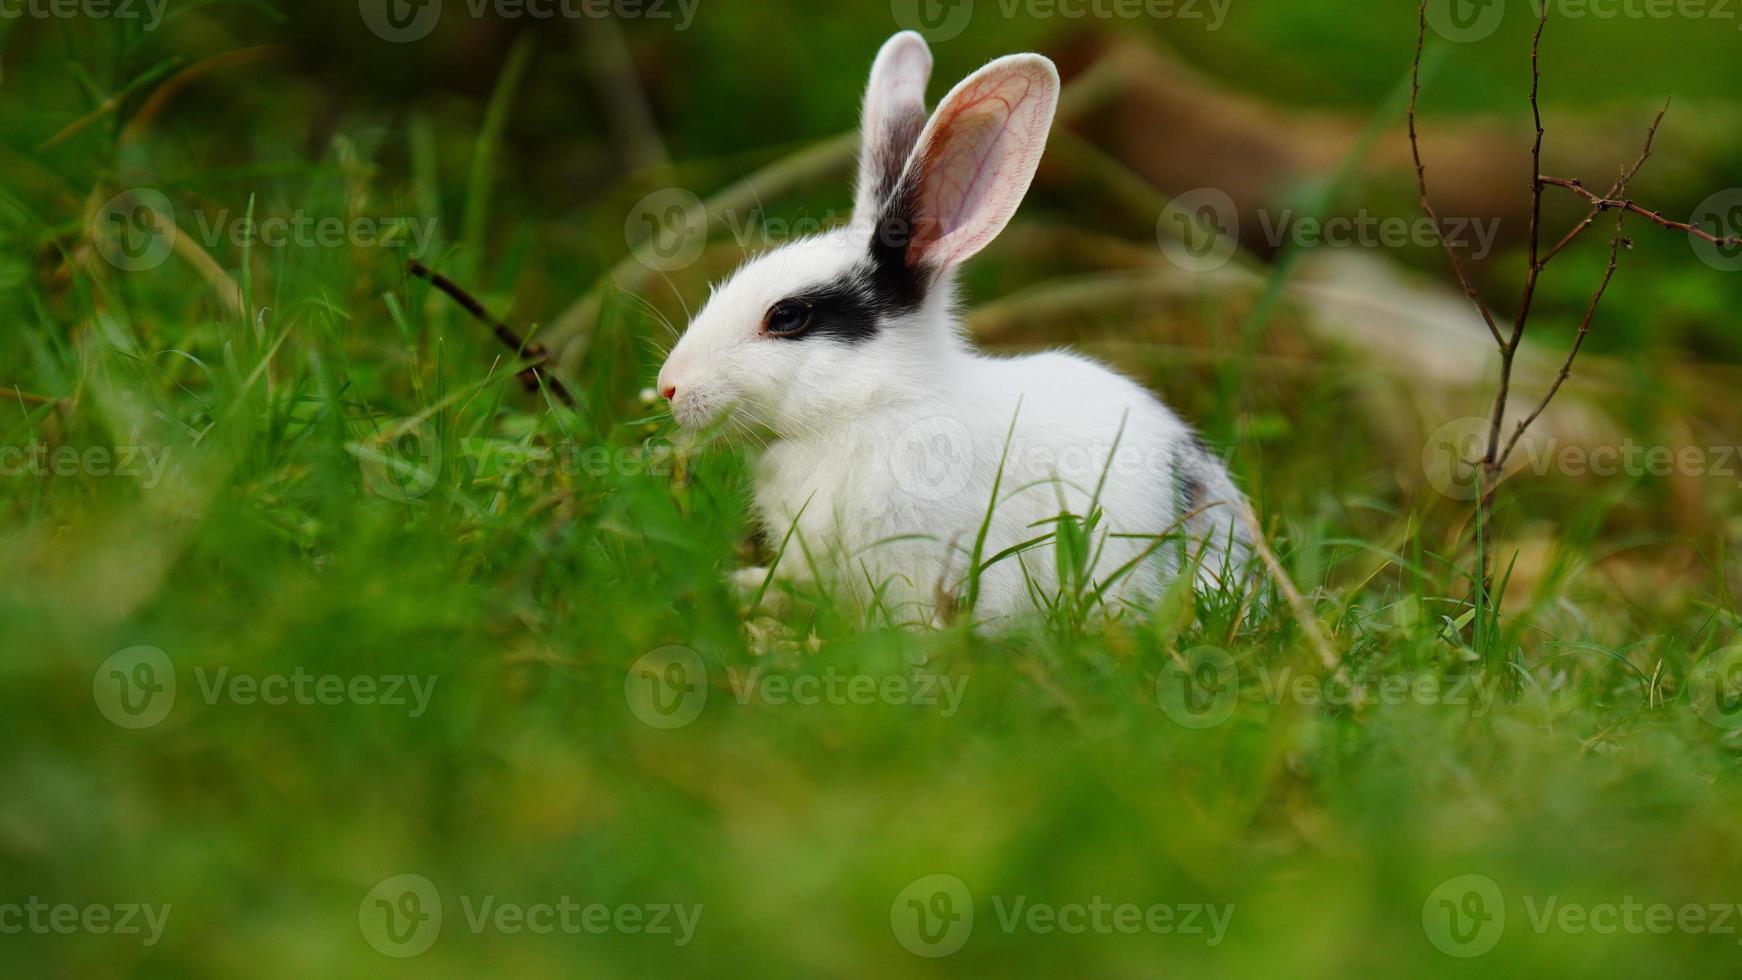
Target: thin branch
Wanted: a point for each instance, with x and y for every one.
(1421, 180)
(1655, 217)
(1535, 269)
(534, 374)
(1616, 244)
(1492, 460)
(1615, 190)
(27, 398)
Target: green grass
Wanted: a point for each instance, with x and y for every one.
(358, 487)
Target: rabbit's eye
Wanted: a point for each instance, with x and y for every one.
(787, 318)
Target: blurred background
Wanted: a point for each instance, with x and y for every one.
(208, 209)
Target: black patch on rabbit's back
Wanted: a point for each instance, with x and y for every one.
(1194, 466)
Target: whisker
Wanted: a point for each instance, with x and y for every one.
(680, 300)
(800, 423)
(747, 430)
(651, 310)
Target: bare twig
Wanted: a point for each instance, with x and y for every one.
(1656, 217)
(534, 374)
(1616, 244)
(1421, 183)
(1509, 349)
(1491, 458)
(1614, 191)
(27, 398)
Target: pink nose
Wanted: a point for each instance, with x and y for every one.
(669, 391)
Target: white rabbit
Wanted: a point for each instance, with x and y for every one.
(886, 431)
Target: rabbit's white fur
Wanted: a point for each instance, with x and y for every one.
(887, 431)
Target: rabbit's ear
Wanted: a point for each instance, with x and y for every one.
(893, 115)
(975, 159)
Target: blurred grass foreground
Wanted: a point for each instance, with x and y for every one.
(330, 649)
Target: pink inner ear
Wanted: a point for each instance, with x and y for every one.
(984, 146)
